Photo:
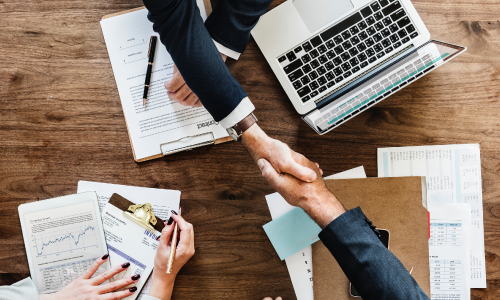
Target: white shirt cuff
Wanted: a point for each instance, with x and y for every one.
(239, 113)
(225, 50)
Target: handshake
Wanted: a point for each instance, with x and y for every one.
(292, 175)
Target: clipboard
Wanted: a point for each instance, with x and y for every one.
(187, 142)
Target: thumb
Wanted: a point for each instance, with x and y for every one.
(268, 172)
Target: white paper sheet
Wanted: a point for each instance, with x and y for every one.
(453, 175)
(163, 201)
(300, 264)
(449, 251)
(161, 120)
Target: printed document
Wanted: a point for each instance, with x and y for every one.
(64, 242)
(163, 201)
(453, 174)
(161, 120)
(300, 264)
(449, 251)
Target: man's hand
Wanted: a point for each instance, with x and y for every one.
(281, 157)
(179, 91)
(314, 197)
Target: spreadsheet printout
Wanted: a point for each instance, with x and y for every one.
(453, 175)
(449, 251)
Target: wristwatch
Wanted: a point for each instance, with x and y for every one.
(237, 130)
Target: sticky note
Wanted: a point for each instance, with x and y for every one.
(292, 232)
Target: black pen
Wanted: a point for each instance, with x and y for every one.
(151, 55)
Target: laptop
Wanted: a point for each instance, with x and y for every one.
(337, 58)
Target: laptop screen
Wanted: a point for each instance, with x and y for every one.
(379, 84)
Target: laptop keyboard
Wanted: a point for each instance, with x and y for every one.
(348, 48)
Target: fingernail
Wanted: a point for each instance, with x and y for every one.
(135, 277)
(158, 238)
(261, 163)
(173, 211)
(312, 177)
(170, 220)
(126, 265)
(132, 289)
(105, 256)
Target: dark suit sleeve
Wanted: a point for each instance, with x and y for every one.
(368, 264)
(232, 20)
(183, 33)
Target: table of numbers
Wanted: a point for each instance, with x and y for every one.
(445, 276)
(445, 234)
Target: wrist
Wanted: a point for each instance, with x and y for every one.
(323, 208)
(256, 141)
(162, 285)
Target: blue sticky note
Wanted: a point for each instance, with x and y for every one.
(292, 232)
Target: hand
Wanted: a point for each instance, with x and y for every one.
(314, 198)
(178, 90)
(269, 298)
(86, 288)
(162, 284)
(281, 157)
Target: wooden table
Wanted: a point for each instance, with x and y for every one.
(61, 121)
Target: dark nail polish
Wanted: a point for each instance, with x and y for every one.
(136, 276)
(170, 221)
(126, 265)
(132, 289)
(105, 256)
(158, 238)
(173, 211)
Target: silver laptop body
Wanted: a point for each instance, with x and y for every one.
(325, 52)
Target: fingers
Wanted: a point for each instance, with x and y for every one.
(166, 234)
(93, 268)
(320, 171)
(269, 298)
(176, 82)
(186, 241)
(119, 295)
(294, 168)
(116, 285)
(109, 273)
(269, 173)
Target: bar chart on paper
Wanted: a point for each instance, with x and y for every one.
(65, 240)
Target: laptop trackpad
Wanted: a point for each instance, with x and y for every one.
(317, 13)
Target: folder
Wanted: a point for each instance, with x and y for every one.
(186, 142)
(395, 204)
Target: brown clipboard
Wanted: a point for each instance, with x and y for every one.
(394, 204)
(208, 8)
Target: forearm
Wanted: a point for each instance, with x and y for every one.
(182, 32)
(162, 285)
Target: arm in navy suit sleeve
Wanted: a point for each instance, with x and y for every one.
(182, 31)
(368, 264)
(232, 20)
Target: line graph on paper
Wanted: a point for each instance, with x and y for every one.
(67, 240)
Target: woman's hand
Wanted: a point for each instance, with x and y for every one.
(86, 288)
(162, 283)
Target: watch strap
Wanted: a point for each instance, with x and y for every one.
(244, 124)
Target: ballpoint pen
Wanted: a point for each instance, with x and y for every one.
(151, 56)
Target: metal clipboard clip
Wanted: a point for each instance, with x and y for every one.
(142, 214)
(187, 143)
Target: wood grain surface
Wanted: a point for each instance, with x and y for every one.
(61, 121)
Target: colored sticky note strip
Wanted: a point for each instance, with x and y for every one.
(292, 232)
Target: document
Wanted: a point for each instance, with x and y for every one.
(300, 264)
(63, 241)
(449, 251)
(162, 120)
(129, 242)
(453, 174)
(163, 201)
